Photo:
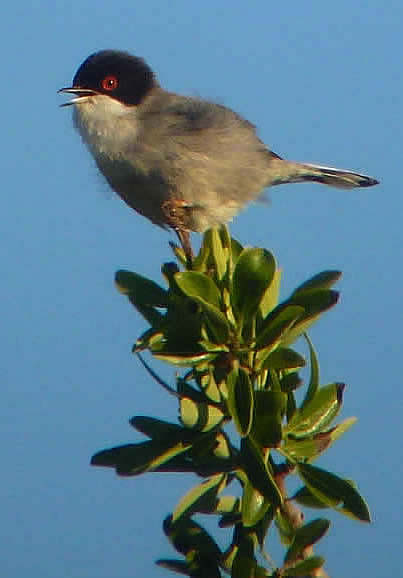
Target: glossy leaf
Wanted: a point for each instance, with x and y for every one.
(262, 527)
(204, 291)
(210, 387)
(253, 273)
(268, 416)
(278, 323)
(323, 280)
(198, 286)
(315, 303)
(284, 358)
(305, 567)
(310, 448)
(184, 359)
(318, 413)
(306, 536)
(271, 295)
(306, 449)
(314, 377)
(258, 473)
(304, 497)
(253, 507)
(240, 401)
(201, 498)
(199, 416)
(222, 448)
(217, 323)
(334, 491)
(218, 253)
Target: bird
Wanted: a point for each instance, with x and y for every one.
(183, 162)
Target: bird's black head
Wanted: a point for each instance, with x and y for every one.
(117, 74)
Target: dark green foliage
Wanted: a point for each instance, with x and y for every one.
(221, 322)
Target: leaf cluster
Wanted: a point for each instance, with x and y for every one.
(221, 321)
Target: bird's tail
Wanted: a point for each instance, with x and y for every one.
(291, 172)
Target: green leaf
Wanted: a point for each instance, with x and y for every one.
(134, 459)
(199, 416)
(334, 491)
(254, 506)
(198, 286)
(315, 303)
(258, 473)
(158, 429)
(220, 256)
(143, 291)
(284, 358)
(317, 413)
(304, 497)
(308, 449)
(244, 564)
(186, 535)
(314, 378)
(306, 536)
(270, 298)
(210, 388)
(270, 407)
(240, 401)
(217, 323)
(184, 359)
(305, 567)
(262, 527)
(323, 280)
(178, 566)
(201, 498)
(276, 325)
(253, 273)
(204, 291)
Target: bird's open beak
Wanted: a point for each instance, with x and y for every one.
(81, 94)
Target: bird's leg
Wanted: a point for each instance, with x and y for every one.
(184, 238)
(175, 212)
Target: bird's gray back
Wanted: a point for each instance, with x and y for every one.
(204, 153)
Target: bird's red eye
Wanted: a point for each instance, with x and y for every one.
(110, 82)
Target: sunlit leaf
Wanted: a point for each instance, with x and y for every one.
(198, 286)
(314, 377)
(253, 273)
(201, 498)
(317, 413)
(271, 295)
(199, 416)
(254, 505)
(305, 567)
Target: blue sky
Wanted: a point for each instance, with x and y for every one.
(323, 83)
